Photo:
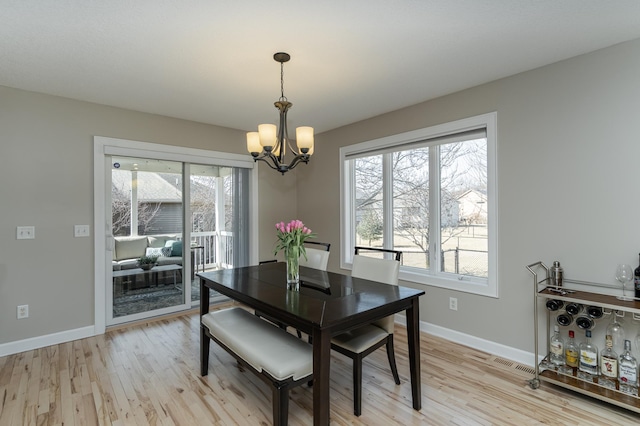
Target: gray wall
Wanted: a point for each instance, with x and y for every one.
(568, 150)
(46, 151)
(567, 154)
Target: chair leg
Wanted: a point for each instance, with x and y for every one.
(392, 359)
(204, 352)
(280, 406)
(357, 385)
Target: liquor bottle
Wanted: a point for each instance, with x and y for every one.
(588, 356)
(628, 370)
(636, 281)
(608, 366)
(571, 352)
(616, 331)
(557, 347)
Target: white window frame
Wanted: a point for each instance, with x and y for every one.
(481, 286)
(104, 147)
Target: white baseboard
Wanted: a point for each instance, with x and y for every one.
(517, 355)
(47, 340)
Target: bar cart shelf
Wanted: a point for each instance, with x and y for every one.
(573, 292)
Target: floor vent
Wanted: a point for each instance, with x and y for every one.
(511, 365)
(525, 368)
(504, 362)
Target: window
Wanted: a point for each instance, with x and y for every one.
(432, 194)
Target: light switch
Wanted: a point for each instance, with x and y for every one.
(81, 230)
(26, 232)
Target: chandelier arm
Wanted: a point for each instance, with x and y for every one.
(265, 159)
(301, 158)
(282, 168)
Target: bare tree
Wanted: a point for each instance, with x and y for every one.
(462, 167)
(203, 203)
(121, 212)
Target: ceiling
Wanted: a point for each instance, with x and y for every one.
(211, 60)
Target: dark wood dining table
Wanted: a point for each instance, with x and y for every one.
(327, 304)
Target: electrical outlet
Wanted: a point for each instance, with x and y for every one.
(23, 311)
(26, 232)
(453, 303)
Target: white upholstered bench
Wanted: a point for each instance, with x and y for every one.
(277, 357)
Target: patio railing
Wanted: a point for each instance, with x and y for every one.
(217, 251)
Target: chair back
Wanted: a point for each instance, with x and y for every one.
(317, 255)
(379, 252)
(317, 259)
(318, 245)
(380, 270)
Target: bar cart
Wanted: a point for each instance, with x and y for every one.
(585, 294)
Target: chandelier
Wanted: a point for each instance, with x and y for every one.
(269, 144)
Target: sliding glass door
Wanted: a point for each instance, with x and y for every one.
(148, 267)
(211, 208)
(170, 220)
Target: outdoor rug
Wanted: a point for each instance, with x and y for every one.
(149, 299)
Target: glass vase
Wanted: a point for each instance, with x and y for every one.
(292, 258)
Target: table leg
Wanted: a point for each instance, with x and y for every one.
(413, 336)
(204, 339)
(321, 370)
(193, 264)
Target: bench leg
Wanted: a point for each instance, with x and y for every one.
(204, 351)
(280, 406)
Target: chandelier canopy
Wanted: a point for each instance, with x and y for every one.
(269, 143)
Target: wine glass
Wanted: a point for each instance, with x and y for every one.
(624, 274)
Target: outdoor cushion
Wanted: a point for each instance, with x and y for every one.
(130, 247)
(162, 260)
(176, 247)
(154, 251)
(160, 240)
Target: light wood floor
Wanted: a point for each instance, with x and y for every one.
(148, 374)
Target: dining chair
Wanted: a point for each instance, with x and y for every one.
(317, 258)
(262, 314)
(358, 343)
(269, 317)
